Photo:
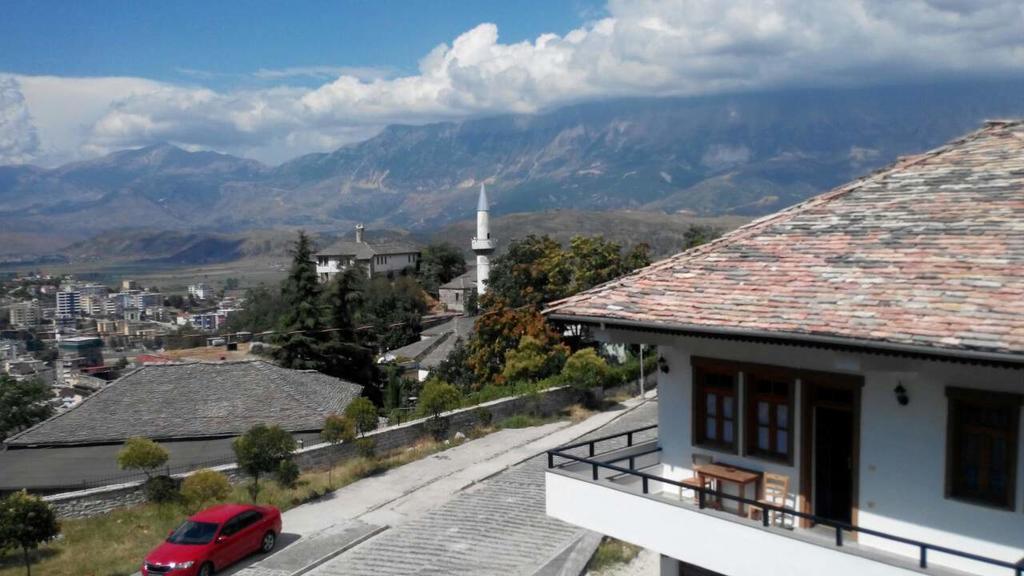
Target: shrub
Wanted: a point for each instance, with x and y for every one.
(205, 487)
(366, 447)
(438, 396)
(26, 522)
(260, 451)
(363, 414)
(337, 429)
(141, 454)
(483, 416)
(532, 360)
(287, 474)
(585, 370)
(162, 489)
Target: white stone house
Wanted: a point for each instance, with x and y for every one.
(374, 257)
(865, 346)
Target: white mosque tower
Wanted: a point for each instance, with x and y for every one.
(483, 246)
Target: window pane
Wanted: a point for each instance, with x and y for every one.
(782, 416)
(711, 429)
(727, 407)
(763, 438)
(782, 444)
(712, 404)
(727, 428)
(762, 413)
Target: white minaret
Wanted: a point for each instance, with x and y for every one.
(482, 244)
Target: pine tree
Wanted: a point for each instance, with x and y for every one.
(343, 355)
(301, 339)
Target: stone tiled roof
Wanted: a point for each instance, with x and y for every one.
(367, 250)
(464, 282)
(194, 400)
(926, 254)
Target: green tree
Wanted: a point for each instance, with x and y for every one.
(264, 309)
(585, 370)
(205, 487)
(260, 451)
(456, 369)
(25, 523)
(343, 355)
(141, 454)
(337, 429)
(533, 360)
(438, 396)
(363, 414)
(500, 331)
(392, 311)
(22, 404)
(523, 275)
(231, 283)
(440, 263)
(299, 344)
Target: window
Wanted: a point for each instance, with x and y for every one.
(981, 446)
(715, 407)
(769, 424)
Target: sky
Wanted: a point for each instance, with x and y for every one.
(273, 80)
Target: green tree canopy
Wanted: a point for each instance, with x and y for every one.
(22, 404)
(344, 356)
(500, 331)
(393, 311)
(141, 454)
(363, 415)
(25, 523)
(585, 369)
(440, 263)
(456, 369)
(263, 311)
(438, 396)
(299, 344)
(338, 428)
(205, 487)
(260, 451)
(533, 360)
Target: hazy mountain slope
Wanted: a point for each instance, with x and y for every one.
(742, 154)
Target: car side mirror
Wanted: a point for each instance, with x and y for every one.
(221, 539)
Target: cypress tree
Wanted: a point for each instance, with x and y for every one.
(301, 339)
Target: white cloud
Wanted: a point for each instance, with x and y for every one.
(641, 48)
(19, 141)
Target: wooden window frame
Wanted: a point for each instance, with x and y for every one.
(750, 415)
(986, 398)
(699, 408)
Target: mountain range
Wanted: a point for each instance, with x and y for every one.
(740, 155)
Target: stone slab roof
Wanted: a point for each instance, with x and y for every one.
(464, 282)
(367, 250)
(927, 254)
(196, 400)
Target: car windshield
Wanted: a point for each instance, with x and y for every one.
(192, 532)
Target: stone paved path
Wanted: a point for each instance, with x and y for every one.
(497, 527)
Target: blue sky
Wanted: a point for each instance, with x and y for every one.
(222, 43)
(273, 80)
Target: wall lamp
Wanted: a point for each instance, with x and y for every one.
(901, 394)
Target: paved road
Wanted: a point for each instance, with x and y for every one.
(498, 526)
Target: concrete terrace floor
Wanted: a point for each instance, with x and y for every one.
(496, 526)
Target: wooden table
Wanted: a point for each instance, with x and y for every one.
(723, 473)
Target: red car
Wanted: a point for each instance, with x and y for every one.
(214, 539)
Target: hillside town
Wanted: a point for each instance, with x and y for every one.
(680, 290)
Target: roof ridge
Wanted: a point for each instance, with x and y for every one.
(759, 224)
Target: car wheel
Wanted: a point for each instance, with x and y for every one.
(267, 544)
(206, 570)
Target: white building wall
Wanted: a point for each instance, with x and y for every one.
(902, 448)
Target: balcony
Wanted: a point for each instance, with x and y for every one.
(614, 485)
(482, 245)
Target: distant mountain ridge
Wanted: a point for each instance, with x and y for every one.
(742, 155)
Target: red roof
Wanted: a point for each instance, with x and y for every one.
(927, 254)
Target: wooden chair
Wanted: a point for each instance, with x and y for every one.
(695, 482)
(774, 491)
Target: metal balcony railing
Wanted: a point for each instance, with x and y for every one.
(704, 493)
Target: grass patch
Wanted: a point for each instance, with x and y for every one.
(524, 421)
(114, 544)
(611, 553)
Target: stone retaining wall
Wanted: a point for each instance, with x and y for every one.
(94, 501)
